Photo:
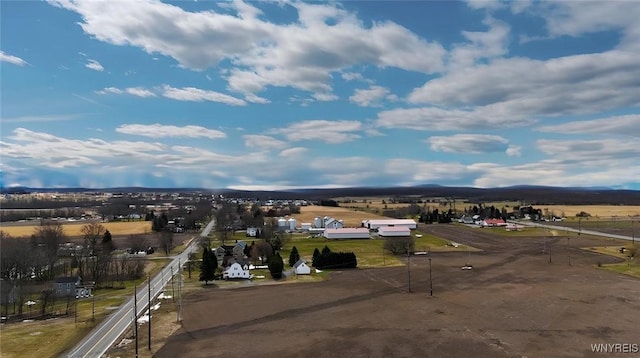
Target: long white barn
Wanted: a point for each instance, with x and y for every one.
(346, 233)
(377, 223)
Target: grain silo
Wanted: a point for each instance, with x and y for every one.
(292, 224)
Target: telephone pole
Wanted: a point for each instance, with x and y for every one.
(149, 293)
(430, 280)
(135, 316)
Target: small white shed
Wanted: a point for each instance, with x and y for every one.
(301, 267)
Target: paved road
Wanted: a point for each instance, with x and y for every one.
(569, 229)
(101, 338)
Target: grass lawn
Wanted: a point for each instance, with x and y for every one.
(628, 267)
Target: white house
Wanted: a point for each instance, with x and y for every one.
(301, 268)
(236, 271)
(346, 233)
(394, 231)
(377, 223)
(333, 223)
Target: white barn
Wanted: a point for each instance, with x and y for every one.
(346, 233)
(236, 271)
(377, 223)
(394, 231)
(301, 268)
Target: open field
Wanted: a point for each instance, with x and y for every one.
(73, 229)
(351, 218)
(595, 210)
(617, 225)
(514, 303)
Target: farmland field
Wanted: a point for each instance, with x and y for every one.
(74, 229)
(594, 210)
(351, 218)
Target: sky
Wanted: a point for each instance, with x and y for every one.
(276, 95)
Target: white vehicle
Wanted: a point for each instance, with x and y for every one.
(467, 267)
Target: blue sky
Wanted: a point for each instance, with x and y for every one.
(288, 94)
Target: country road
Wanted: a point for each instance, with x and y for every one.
(570, 229)
(101, 338)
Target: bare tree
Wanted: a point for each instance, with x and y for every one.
(138, 242)
(165, 241)
(49, 236)
(93, 234)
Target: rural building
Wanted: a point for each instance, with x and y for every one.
(236, 271)
(71, 286)
(301, 268)
(252, 232)
(493, 223)
(394, 231)
(377, 223)
(305, 226)
(333, 224)
(346, 233)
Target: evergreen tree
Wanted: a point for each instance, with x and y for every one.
(316, 253)
(326, 250)
(276, 265)
(208, 266)
(294, 256)
(106, 238)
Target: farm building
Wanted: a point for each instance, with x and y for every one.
(346, 233)
(301, 268)
(377, 223)
(305, 226)
(493, 222)
(333, 223)
(394, 231)
(236, 271)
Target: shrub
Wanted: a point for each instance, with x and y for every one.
(399, 245)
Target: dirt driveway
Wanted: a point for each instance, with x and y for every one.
(514, 303)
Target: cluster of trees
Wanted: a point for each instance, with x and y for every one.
(326, 259)
(399, 245)
(29, 262)
(282, 211)
(429, 217)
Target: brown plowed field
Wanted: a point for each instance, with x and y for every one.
(514, 303)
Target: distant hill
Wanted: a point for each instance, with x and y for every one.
(530, 194)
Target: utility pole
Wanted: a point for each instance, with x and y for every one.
(93, 307)
(409, 269)
(149, 293)
(430, 280)
(135, 315)
(568, 249)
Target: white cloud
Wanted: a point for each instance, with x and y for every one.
(514, 151)
(578, 18)
(440, 119)
(591, 152)
(56, 152)
(481, 45)
(517, 87)
(373, 96)
(163, 131)
(331, 132)
(468, 143)
(293, 152)
(198, 95)
(12, 59)
(301, 54)
(263, 142)
(134, 91)
(94, 65)
(617, 125)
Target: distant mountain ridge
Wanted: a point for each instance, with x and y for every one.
(525, 193)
